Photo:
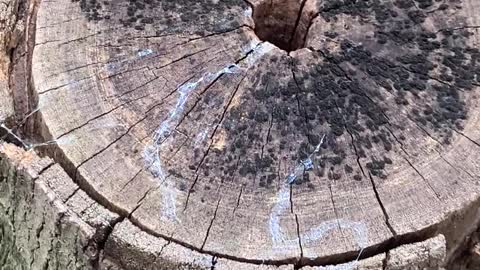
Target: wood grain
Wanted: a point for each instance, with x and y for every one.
(355, 133)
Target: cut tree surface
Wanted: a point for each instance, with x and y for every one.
(48, 222)
(277, 132)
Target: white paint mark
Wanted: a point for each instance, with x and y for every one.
(248, 12)
(200, 137)
(151, 154)
(30, 146)
(305, 165)
(144, 52)
(169, 207)
(123, 59)
(280, 241)
(35, 145)
(250, 46)
(359, 229)
(30, 114)
(15, 136)
(283, 199)
(258, 52)
(114, 65)
(201, 259)
(152, 151)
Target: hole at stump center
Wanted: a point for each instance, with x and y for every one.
(283, 23)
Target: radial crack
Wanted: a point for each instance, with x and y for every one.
(466, 137)
(335, 211)
(297, 22)
(384, 211)
(238, 199)
(211, 224)
(299, 236)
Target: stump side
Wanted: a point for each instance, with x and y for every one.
(49, 222)
(38, 231)
(7, 41)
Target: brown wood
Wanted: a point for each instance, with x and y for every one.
(354, 134)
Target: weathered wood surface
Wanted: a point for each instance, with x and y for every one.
(175, 116)
(38, 230)
(48, 222)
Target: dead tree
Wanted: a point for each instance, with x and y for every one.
(237, 134)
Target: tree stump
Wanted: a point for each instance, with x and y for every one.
(257, 134)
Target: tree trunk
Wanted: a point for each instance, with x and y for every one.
(239, 134)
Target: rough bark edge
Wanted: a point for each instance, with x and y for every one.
(8, 40)
(42, 232)
(17, 101)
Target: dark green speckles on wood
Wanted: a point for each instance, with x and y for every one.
(430, 78)
(345, 94)
(179, 16)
